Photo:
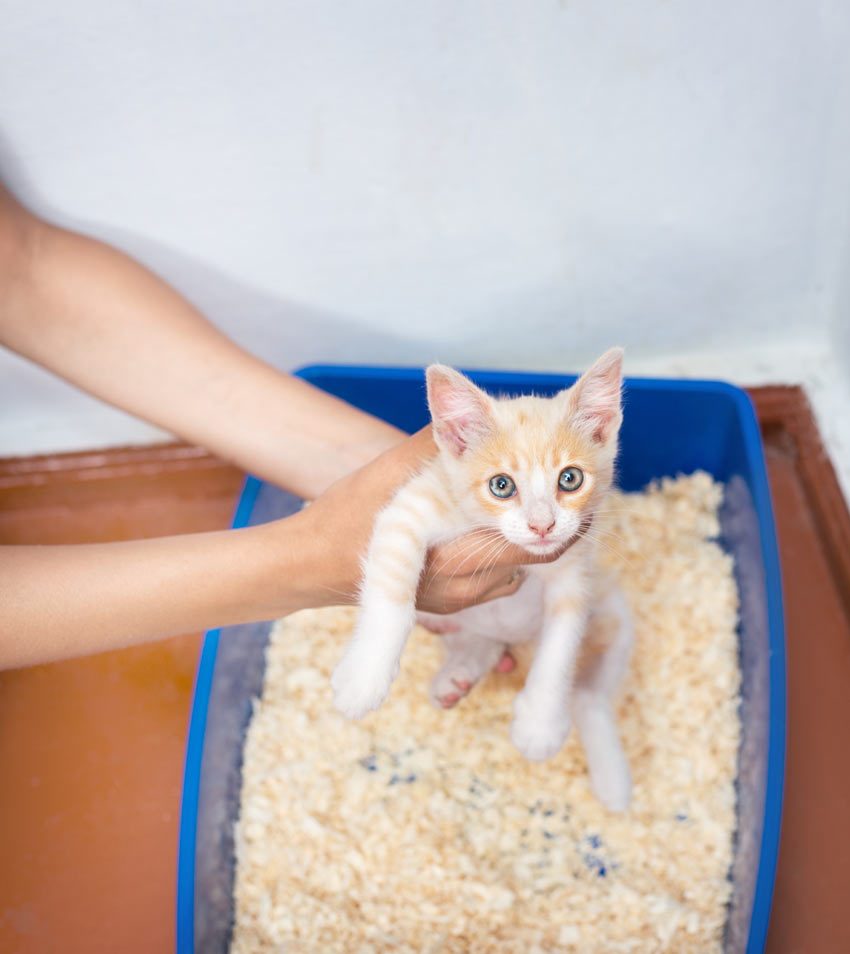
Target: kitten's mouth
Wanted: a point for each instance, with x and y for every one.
(544, 545)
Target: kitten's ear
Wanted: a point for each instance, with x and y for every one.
(594, 399)
(461, 412)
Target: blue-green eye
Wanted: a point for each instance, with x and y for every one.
(502, 486)
(571, 479)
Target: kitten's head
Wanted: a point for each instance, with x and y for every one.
(533, 468)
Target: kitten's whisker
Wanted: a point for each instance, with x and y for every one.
(473, 546)
(466, 554)
(346, 597)
(497, 555)
(485, 550)
(637, 514)
(486, 568)
(595, 538)
(492, 552)
(490, 564)
(606, 531)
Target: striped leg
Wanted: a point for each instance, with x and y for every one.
(394, 563)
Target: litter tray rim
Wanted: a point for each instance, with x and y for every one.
(775, 775)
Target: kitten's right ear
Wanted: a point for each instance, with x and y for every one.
(461, 412)
(595, 398)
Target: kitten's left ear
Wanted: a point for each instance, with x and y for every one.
(461, 412)
(595, 398)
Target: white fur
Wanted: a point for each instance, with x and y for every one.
(363, 677)
(593, 709)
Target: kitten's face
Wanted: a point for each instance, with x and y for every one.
(533, 479)
(532, 468)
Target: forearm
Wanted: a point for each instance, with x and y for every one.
(105, 323)
(63, 601)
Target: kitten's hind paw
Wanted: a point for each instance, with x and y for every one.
(612, 785)
(450, 685)
(359, 686)
(468, 659)
(447, 696)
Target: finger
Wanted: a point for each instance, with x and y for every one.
(506, 587)
(460, 592)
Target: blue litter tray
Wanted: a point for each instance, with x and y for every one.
(669, 427)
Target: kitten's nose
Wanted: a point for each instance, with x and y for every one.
(541, 526)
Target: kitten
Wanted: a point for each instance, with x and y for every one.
(531, 471)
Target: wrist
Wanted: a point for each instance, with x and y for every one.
(306, 566)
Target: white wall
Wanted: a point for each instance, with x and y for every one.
(495, 183)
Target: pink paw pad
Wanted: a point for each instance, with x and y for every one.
(452, 698)
(506, 664)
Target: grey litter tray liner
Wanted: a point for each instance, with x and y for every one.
(237, 681)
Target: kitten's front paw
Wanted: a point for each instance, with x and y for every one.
(536, 734)
(359, 685)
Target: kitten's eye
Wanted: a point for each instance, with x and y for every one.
(571, 479)
(502, 486)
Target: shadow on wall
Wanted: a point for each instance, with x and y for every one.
(283, 332)
(287, 334)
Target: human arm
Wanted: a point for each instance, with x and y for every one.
(102, 321)
(62, 601)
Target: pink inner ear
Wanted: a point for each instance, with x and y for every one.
(598, 398)
(458, 409)
(605, 423)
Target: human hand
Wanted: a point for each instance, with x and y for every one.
(456, 574)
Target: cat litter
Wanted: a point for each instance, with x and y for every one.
(423, 830)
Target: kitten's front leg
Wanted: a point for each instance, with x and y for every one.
(541, 720)
(362, 679)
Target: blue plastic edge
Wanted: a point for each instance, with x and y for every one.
(769, 851)
(775, 783)
(194, 756)
(365, 372)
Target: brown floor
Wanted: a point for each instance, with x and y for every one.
(92, 749)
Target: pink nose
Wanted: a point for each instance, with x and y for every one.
(540, 526)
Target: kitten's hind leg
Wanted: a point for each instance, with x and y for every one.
(468, 658)
(601, 669)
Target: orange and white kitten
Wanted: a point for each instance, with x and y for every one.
(531, 471)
